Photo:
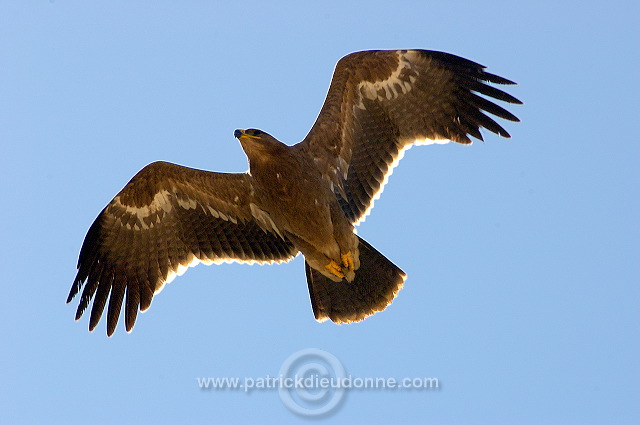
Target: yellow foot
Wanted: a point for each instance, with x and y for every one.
(335, 269)
(347, 261)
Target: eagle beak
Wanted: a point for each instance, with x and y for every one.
(241, 133)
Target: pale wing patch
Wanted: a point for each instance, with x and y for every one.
(159, 203)
(164, 202)
(149, 215)
(187, 203)
(398, 83)
(264, 219)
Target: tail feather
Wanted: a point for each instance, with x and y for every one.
(376, 283)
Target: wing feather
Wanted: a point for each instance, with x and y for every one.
(381, 102)
(166, 219)
(133, 302)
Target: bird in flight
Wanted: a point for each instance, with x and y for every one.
(304, 198)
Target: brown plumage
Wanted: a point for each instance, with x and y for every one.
(302, 198)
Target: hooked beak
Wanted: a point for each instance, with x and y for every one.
(241, 133)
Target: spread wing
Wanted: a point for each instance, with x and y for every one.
(382, 102)
(166, 219)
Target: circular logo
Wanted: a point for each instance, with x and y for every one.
(311, 382)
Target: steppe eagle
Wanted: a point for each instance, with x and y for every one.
(305, 198)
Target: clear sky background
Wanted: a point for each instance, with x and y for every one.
(522, 254)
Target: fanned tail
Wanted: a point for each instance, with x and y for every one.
(376, 284)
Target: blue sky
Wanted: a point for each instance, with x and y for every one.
(522, 254)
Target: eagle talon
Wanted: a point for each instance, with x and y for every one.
(347, 261)
(335, 269)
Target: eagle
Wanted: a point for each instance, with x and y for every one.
(304, 198)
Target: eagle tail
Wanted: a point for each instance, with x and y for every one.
(376, 283)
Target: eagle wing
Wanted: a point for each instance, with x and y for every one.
(381, 102)
(168, 218)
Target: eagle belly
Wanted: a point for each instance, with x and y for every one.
(306, 211)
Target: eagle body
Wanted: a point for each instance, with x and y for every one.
(287, 187)
(305, 198)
